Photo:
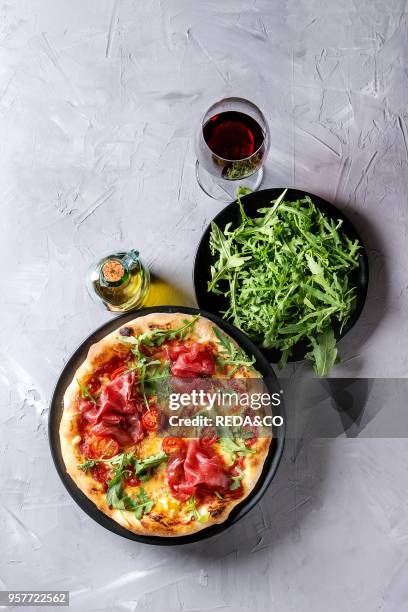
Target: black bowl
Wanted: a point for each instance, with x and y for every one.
(56, 409)
(252, 203)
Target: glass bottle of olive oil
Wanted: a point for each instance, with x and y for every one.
(120, 281)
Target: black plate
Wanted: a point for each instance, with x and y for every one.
(270, 466)
(252, 203)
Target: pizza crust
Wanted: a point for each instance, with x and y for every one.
(158, 522)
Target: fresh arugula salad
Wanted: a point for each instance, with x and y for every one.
(286, 277)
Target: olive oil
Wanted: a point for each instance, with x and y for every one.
(120, 281)
(163, 293)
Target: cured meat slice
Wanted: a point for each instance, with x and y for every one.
(117, 413)
(192, 361)
(199, 465)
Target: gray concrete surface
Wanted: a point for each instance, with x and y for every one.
(98, 104)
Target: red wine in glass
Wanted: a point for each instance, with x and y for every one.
(233, 135)
(236, 141)
(231, 143)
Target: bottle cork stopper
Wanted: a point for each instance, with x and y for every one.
(113, 270)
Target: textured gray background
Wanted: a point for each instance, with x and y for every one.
(98, 103)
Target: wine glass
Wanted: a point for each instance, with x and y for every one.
(232, 143)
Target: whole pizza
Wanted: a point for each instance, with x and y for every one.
(113, 429)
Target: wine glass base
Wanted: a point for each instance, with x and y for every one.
(223, 190)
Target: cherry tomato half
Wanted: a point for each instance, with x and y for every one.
(118, 372)
(103, 447)
(151, 419)
(101, 473)
(171, 444)
(209, 436)
(251, 436)
(240, 462)
(132, 480)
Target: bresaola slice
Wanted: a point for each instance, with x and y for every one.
(204, 466)
(191, 361)
(133, 424)
(118, 414)
(179, 488)
(117, 395)
(200, 465)
(122, 436)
